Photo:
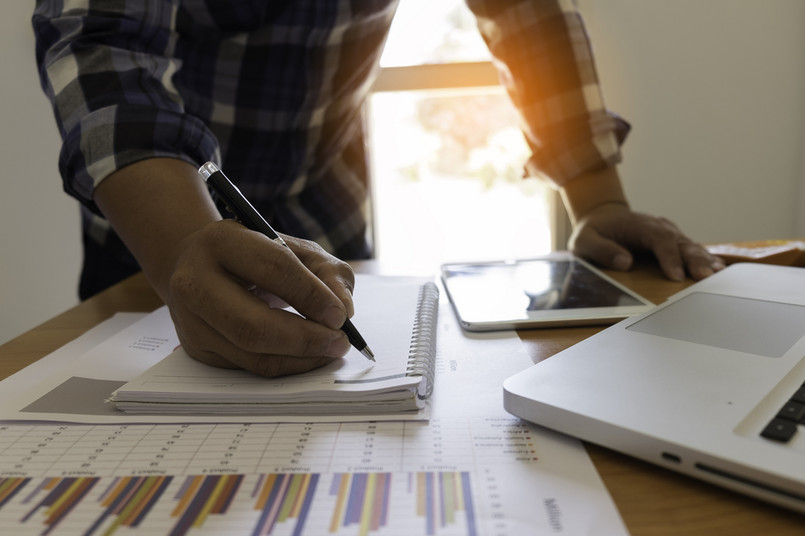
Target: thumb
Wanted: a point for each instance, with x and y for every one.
(602, 251)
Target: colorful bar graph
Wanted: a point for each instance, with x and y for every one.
(128, 500)
(64, 495)
(282, 497)
(361, 499)
(354, 503)
(9, 488)
(202, 496)
(440, 495)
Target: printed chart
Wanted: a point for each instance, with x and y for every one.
(318, 478)
(355, 503)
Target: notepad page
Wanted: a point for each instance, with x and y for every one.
(385, 312)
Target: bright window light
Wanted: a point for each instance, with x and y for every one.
(447, 163)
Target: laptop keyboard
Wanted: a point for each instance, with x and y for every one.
(784, 425)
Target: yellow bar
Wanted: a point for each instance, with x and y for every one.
(459, 492)
(211, 500)
(9, 486)
(300, 497)
(150, 487)
(338, 511)
(64, 503)
(368, 502)
(67, 495)
(124, 517)
(448, 498)
(290, 496)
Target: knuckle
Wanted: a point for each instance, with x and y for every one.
(215, 233)
(311, 347)
(309, 296)
(184, 283)
(347, 274)
(253, 334)
(278, 263)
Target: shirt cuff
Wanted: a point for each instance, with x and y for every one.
(563, 161)
(114, 137)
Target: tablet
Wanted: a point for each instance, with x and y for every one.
(556, 290)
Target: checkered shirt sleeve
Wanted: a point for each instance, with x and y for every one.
(545, 61)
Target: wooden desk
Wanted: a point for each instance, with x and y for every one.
(653, 501)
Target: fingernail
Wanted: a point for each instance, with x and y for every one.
(703, 272)
(338, 347)
(621, 262)
(333, 317)
(677, 274)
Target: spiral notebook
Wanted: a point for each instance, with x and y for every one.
(396, 316)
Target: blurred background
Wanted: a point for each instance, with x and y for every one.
(715, 93)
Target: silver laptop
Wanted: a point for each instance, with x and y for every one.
(709, 383)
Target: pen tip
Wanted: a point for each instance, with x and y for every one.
(368, 354)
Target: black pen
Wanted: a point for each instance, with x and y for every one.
(249, 217)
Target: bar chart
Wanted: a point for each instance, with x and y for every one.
(352, 503)
(317, 478)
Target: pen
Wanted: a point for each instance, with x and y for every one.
(249, 217)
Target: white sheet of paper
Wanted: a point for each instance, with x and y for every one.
(507, 477)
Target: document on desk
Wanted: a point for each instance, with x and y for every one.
(472, 469)
(398, 315)
(143, 372)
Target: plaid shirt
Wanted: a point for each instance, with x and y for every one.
(272, 91)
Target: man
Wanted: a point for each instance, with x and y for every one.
(145, 91)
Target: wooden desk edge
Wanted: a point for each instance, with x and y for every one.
(131, 295)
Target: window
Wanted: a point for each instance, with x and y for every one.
(446, 152)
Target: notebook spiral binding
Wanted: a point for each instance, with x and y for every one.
(422, 352)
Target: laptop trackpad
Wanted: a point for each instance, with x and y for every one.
(746, 325)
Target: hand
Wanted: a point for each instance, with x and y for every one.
(224, 283)
(607, 233)
(223, 320)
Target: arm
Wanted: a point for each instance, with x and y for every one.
(127, 154)
(203, 267)
(548, 69)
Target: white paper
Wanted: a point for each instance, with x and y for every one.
(79, 393)
(476, 469)
(388, 309)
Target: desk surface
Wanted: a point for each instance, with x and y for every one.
(652, 500)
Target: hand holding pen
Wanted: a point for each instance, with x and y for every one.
(250, 218)
(202, 268)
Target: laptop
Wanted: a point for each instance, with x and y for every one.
(709, 383)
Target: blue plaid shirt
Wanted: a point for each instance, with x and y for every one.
(273, 90)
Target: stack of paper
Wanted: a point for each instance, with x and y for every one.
(398, 320)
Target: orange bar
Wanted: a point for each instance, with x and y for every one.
(117, 490)
(188, 496)
(338, 511)
(420, 494)
(8, 487)
(142, 500)
(205, 511)
(299, 500)
(265, 492)
(229, 485)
